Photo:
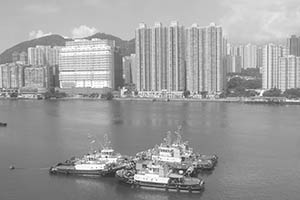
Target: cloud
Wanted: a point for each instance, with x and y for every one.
(83, 31)
(42, 8)
(37, 34)
(266, 20)
(91, 2)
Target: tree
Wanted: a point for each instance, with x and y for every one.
(203, 94)
(94, 95)
(274, 92)
(293, 93)
(238, 87)
(234, 83)
(186, 93)
(107, 96)
(222, 95)
(13, 95)
(252, 84)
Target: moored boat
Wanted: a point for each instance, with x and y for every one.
(2, 124)
(179, 154)
(99, 163)
(158, 176)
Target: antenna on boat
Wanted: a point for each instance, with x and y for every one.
(91, 141)
(106, 141)
(177, 133)
(168, 138)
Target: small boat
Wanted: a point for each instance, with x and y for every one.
(2, 124)
(100, 163)
(160, 177)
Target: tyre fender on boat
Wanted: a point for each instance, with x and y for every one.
(177, 187)
(130, 181)
(128, 174)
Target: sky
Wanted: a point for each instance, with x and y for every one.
(243, 21)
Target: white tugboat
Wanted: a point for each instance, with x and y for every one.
(99, 163)
(178, 154)
(147, 174)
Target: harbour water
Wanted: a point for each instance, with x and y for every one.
(257, 145)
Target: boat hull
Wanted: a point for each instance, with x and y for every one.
(70, 170)
(2, 124)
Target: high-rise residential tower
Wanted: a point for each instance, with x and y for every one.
(270, 65)
(175, 57)
(129, 72)
(289, 72)
(204, 59)
(43, 55)
(160, 63)
(11, 75)
(250, 56)
(259, 57)
(293, 45)
(212, 40)
(143, 57)
(194, 69)
(158, 57)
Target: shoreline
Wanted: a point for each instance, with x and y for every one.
(242, 100)
(178, 100)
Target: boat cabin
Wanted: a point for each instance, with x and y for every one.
(168, 154)
(106, 153)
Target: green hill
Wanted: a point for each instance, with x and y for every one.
(126, 47)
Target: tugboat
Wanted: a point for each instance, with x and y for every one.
(100, 163)
(149, 174)
(178, 154)
(2, 124)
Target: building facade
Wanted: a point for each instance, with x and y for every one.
(20, 58)
(270, 65)
(128, 65)
(250, 56)
(194, 62)
(232, 64)
(289, 72)
(143, 57)
(293, 45)
(176, 59)
(205, 59)
(38, 77)
(90, 64)
(176, 77)
(160, 60)
(259, 58)
(11, 76)
(158, 57)
(43, 55)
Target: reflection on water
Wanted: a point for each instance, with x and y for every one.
(258, 146)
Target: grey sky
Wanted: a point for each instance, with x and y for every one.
(243, 20)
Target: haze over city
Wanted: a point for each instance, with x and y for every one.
(243, 21)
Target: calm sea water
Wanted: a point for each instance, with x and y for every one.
(258, 147)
